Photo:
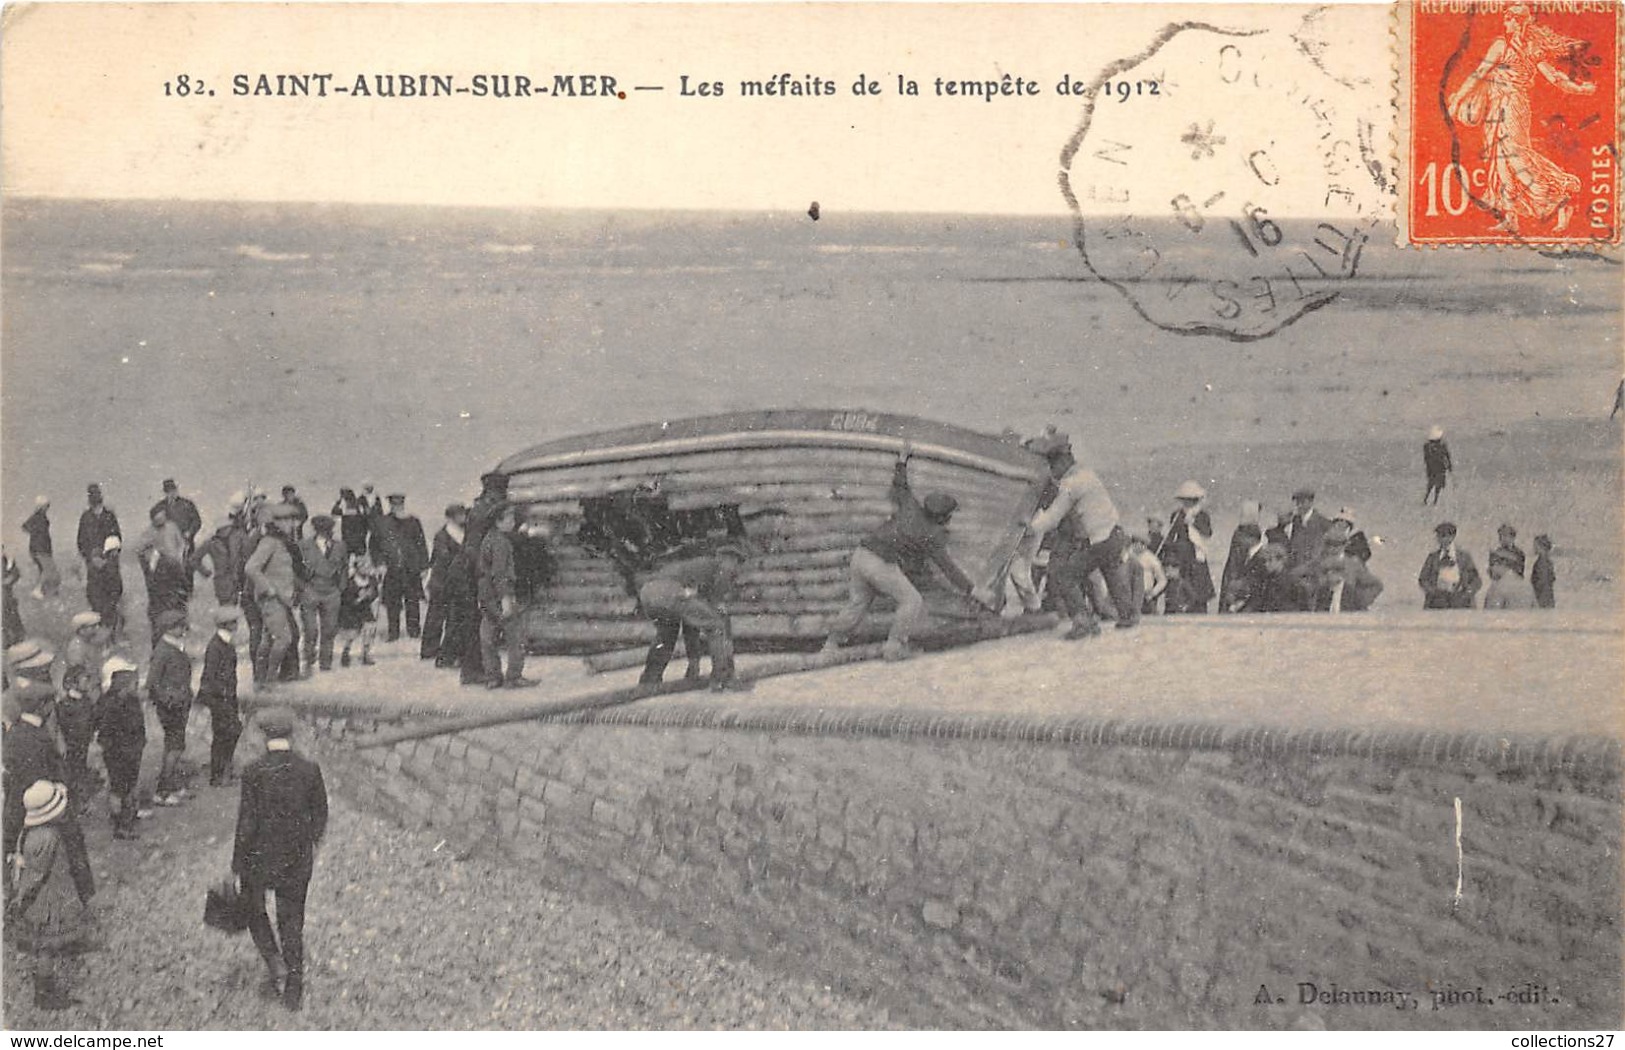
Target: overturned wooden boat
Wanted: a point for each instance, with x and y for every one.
(804, 486)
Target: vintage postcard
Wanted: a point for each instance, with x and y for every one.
(812, 516)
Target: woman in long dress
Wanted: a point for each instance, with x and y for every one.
(1522, 183)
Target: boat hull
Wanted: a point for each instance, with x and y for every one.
(805, 486)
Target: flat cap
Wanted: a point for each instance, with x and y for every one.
(276, 723)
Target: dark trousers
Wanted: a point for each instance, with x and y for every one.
(472, 659)
(290, 924)
(402, 589)
(319, 618)
(73, 844)
(123, 761)
(78, 724)
(673, 611)
(225, 727)
(660, 653)
(256, 630)
(434, 627)
(511, 632)
(1070, 575)
(173, 720)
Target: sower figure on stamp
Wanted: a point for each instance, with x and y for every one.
(1522, 182)
(281, 817)
(1083, 506)
(688, 597)
(912, 540)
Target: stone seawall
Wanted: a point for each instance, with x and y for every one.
(1013, 873)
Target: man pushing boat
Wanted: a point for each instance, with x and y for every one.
(1091, 540)
(689, 596)
(915, 536)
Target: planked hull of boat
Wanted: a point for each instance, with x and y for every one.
(804, 486)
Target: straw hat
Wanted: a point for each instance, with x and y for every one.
(85, 619)
(115, 664)
(43, 802)
(1190, 490)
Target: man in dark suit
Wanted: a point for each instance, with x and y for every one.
(399, 546)
(1449, 579)
(444, 626)
(30, 753)
(280, 819)
(327, 561)
(1306, 529)
(217, 691)
(492, 498)
(180, 510)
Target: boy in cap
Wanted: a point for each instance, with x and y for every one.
(169, 686)
(1449, 579)
(51, 918)
(217, 691)
(890, 558)
(121, 730)
(1096, 541)
(1542, 576)
(38, 527)
(281, 818)
(1436, 464)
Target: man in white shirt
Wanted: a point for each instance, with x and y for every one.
(1093, 541)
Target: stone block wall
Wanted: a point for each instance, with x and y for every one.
(1012, 874)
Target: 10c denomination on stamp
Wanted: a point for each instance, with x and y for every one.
(1509, 122)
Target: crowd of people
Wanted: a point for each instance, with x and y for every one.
(331, 581)
(307, 588)
(1078, 558)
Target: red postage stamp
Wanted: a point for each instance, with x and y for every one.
(1509, 122)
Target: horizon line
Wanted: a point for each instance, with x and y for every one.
(8, 199)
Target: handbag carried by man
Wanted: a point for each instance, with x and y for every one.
(225, 908)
